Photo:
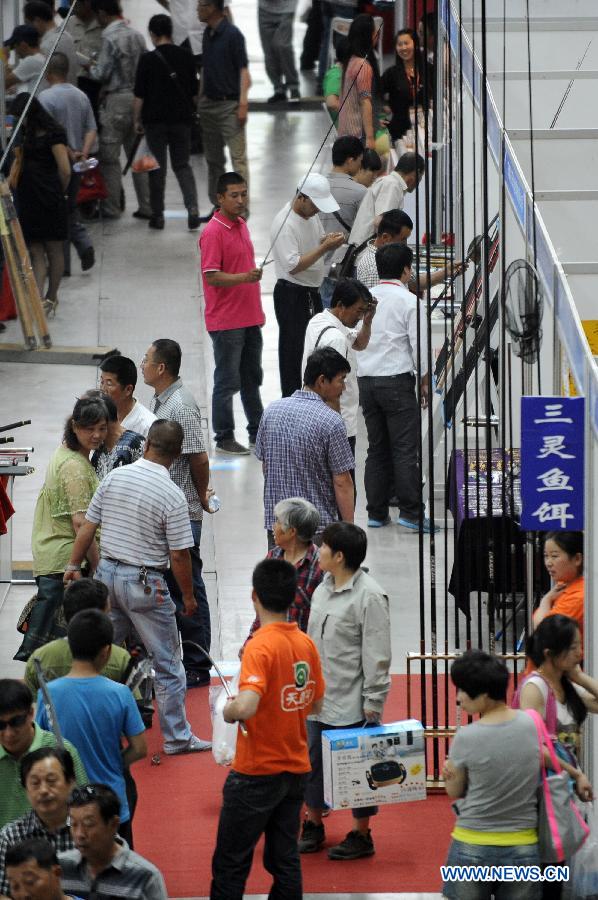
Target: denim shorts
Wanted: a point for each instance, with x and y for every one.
(461, 854)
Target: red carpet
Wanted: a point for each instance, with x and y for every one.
(177, 817)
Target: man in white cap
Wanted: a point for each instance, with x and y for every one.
(299, 246)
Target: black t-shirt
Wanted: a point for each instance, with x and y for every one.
(165, 98)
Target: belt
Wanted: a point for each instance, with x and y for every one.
(119, 562)
(223, 97)
(302, 287)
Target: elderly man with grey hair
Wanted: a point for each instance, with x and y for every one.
(295, 524)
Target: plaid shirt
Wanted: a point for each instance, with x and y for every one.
(302, 444)
(29, 826)
(177, 404)
(366, 269)
(309, 575)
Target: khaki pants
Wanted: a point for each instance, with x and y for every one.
(219, 128)
(116, 120)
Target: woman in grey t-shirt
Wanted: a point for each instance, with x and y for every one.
(492, 773)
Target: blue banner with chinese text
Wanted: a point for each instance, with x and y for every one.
(552, 463)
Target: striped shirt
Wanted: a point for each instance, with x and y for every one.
(29, 826)
(143, 515)
(13, 799)
(177, 404)
(127, 875)
(302, 444)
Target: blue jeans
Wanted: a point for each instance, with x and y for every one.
(254, 805)
(196, 628)
(238, 367)
(153, 618)
(461, 854)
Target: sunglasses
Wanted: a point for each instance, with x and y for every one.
(14, 721)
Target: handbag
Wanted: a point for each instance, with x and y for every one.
(583, 875)
(91, 187)
(23, 620)
(561, 828)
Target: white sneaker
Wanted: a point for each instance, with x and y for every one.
(195, 745)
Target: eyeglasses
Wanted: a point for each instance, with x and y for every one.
(14, 721)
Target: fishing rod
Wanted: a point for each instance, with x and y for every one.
(321, 147)
(225, 683)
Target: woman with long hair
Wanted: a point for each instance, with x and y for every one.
(361, 98)
(39, 179)
(563, 695)
(563, 558)
(407, 86)
(68, 487)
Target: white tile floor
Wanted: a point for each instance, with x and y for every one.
(144, 286)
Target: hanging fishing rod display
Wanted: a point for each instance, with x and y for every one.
(480, 574)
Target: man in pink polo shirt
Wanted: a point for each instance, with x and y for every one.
(234, 314)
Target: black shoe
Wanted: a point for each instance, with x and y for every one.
(278, 97)
(233, 447)
(295, 96)
(138, 214)
(197, 679)
(193, 221)
(156, 222)
(312, 837)
(204, 219)
(354, 846)
(88, 259)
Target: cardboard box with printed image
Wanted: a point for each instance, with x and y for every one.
(372, 766)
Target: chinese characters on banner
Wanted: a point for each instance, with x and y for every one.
(552, 463)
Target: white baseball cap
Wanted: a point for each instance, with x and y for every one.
(317, 188)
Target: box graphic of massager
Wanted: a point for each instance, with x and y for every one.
(371, 766)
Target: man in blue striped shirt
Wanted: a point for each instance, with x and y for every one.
(145, 523)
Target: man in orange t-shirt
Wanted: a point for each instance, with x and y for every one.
(280, 685)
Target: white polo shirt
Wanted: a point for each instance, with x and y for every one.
(297, 237)
(392, 348)
(385, 194)
(332, 333)
(143, 515)
(139, 419)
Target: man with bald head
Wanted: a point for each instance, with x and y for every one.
(144, 521)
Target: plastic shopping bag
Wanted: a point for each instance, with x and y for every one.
(583, 874)
(144, 161)
(224, 735)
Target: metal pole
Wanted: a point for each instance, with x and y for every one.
(2, 86)
(439, 155)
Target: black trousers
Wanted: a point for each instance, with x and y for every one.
(254, 805)
(390, 410)
(294, 306)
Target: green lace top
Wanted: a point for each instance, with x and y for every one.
(69, 485)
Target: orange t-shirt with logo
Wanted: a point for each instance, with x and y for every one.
(570, 602)
(282, 665)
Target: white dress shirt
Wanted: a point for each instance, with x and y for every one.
(392, 348)
(332, 333)
(298, 237)
(385, 194)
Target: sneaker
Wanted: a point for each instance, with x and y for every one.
(195, 745)
(312, 837)
(232, 446)
(156, 222)
(193, 221)
(354, 846)
(378, 523)
(295, 96)
(198, 679)
(278, 97)
(414, 526)
(88, 259)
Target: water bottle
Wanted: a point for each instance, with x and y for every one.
(214, 504)
(85, 165)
